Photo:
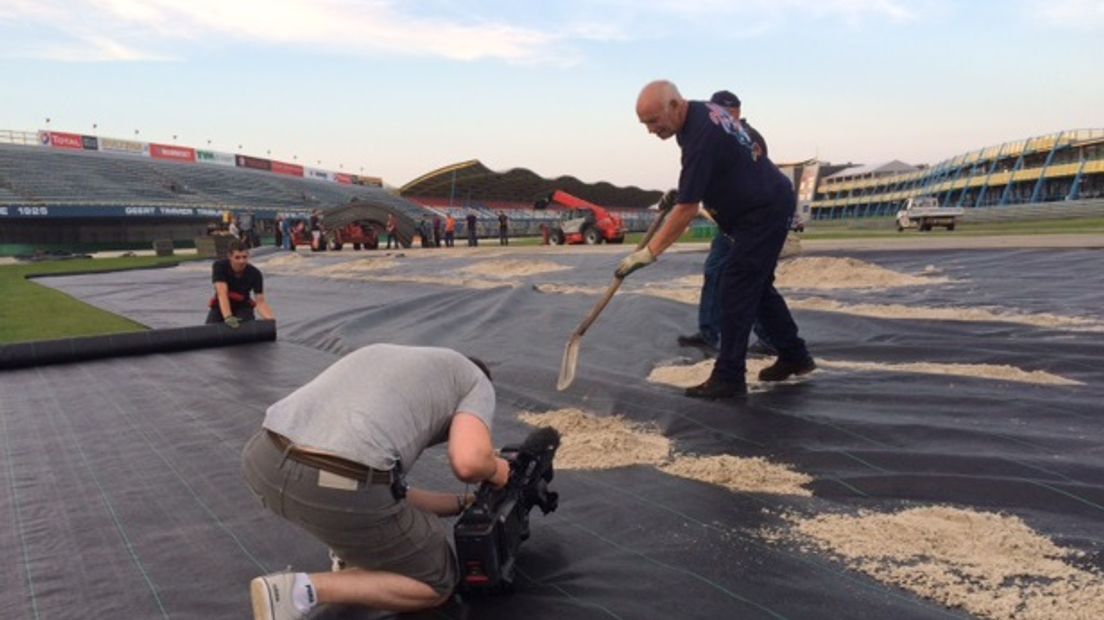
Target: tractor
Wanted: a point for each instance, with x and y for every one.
(584, 222)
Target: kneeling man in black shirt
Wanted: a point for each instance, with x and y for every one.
(235, 279)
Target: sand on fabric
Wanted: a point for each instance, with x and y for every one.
(990, 565)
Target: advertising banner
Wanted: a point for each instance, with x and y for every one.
(344, 179)
(89, 211)
(321, 175)
(127, 147)
(90, 143)
(255, 163)
(368, 181)
(59, 140)
(280, 167)
(216, 158)
(172, 153)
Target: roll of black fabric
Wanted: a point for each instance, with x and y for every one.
(41, 353)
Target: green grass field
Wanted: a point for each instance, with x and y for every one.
(30, 311)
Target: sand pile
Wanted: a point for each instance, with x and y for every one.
(592, 442)
(826, 272)
(287, 264)
(749, 475)
(687, 376)
(567, 289)
(897, 311)
(992, 566)
(513, 268)
(355, 269)
(440, 280)
(981, 371)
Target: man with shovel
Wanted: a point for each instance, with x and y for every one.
(752, 202)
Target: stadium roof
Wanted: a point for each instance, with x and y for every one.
(471, 180)
(889, 167)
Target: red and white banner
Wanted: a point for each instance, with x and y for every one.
(60, 140)
(344, 179)
(280, 167)
(172, 153)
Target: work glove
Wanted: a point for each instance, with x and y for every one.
(669, 200)
(232, 322)
(638, 259)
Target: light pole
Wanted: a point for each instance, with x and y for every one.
(94, 126)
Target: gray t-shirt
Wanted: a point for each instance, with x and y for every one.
(384, 402)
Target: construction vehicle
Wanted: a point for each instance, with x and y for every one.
(362, 234)
(584, 222)
(924, 212)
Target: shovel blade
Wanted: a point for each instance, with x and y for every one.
(570, 360)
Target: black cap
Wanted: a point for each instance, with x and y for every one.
(725, 98)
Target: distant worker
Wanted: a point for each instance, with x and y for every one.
(316, 231)
(424, 232)
(709, 306)
(752, 202)
(332, 456)
(436, 231)
(235, 280)
(234, 229)
(450, 231)
(503, 229)
(285, 226)
(246, 230)
(392, 229)
(473, 238)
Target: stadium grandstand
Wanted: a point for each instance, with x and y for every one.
(90, 192)
(471, 187)
(1055, 175)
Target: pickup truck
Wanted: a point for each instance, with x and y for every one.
(925, 213)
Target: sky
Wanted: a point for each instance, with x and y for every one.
(400, 88)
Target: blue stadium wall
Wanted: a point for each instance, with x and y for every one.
(1062, 167)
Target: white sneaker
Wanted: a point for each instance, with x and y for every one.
(271, 596)
(336, 563)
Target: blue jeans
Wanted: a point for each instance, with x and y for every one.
(709, 308)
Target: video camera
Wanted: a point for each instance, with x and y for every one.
(492, 528)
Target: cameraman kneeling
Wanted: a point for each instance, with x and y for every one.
(330, 456)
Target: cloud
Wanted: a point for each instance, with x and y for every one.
(144, 29)
(126, 30)
(1075, 14)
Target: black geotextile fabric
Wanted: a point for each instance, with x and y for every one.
(122, 494)
(168, 340)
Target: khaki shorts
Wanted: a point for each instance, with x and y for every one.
(366, 527)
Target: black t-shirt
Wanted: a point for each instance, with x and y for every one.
(471, 221)
(503, 221)
(723, 169)
(248, 281)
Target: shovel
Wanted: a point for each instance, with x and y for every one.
(571, 352)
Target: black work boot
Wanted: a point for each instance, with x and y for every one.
(781, 370)
(761, 348)
(696, 340)
(714, 389)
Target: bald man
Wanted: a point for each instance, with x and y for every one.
(752, 202)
